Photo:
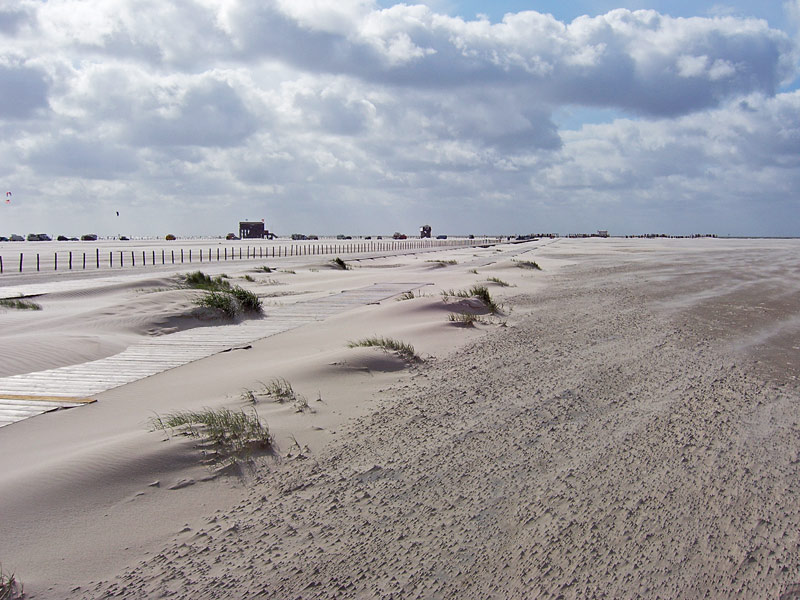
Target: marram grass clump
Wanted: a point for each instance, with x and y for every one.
(200, 281)
(527, 264)
(402, 349)
(340, 264)
(10, 587)
(20, 305)
(481, 292)
(231, 435)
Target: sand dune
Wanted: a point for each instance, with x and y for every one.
(619, 431)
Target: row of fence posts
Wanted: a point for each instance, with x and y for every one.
(291, 250)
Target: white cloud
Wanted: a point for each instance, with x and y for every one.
(304, 107)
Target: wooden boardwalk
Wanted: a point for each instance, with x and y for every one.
(30, 394)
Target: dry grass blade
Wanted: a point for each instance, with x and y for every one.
(233, 435)
(404, 350)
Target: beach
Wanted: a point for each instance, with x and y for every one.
(625, 426)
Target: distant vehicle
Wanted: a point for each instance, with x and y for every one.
(124, 238)
(313, 237)
(441, 237)
(367, 237)
(170, 238)
(231, 236)
(399, 236)
(89, 237)
(3, 238)
(38, 237)
(472, 237)
(341, 236)
(17, 238)
(299, 236)
(380, 237)
(62, 238)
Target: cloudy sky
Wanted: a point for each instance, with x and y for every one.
(366, 116)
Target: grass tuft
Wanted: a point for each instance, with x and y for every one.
(200, 281)
(10, 587)
(408, 295)
(263, 269)
(233, 435)
(340, 264)
(464, 319)
(498, 281)
(221, 301)
(19, 304)
(527, 264)
(247, 300)
(443, 263)
(248, 278)
(476, 291)
(404, 350)
(281, 390)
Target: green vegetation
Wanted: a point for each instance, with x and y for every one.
(476, 291)
(498, 281)
(290, 271)
(281, 390)
(200, 281)
(340, 264)
(220, 295)
(247, 300)
(221, 301)
(248, 278)
(464, 319)
(10, 586)
(19, 304)
(443, 263)
(527, 264)
(263, 269)
(232, 435)
(473, 271)
(404, 350)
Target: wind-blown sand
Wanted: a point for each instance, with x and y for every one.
(629, 428)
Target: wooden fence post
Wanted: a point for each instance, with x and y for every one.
(20, 262)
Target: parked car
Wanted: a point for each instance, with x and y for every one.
(399, 236)
(3, 238)
(230, 236)
(62, 238)
(170, 238)
(441, 237)
(124, 238)
(17, 238)
(89, 237)
(299, 236)
(38, 237)
(313, 237)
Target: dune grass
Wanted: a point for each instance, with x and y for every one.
(340, 264)
(10, 587)
(233, 435)
(402, 349)
(527, 264)
(281, 390)
(464, 319)
(443, 263)
(221, 301)
(220, 295)
(263, 269)
(498, 281)
(407, 295)
(476, 291)
(200, 281)
(19, 304)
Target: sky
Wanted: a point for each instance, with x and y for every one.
(369, 117)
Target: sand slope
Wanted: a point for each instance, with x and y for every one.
(631, 430)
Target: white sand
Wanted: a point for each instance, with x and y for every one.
(628, 429)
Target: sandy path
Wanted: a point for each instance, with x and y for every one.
(633, 432)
